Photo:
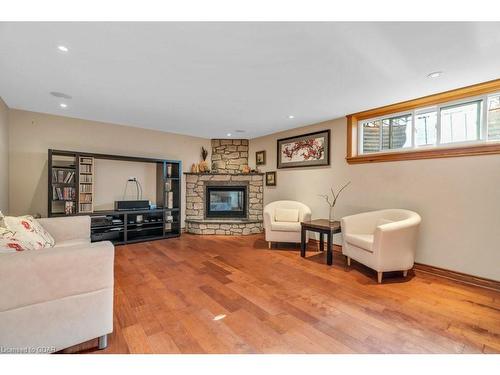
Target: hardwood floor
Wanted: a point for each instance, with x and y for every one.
(168, 292)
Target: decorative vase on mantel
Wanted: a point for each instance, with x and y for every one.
(203, 165)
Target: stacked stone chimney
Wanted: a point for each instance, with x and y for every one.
(229, 155)
(229, 158)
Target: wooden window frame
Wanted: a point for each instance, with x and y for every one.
(425, 153)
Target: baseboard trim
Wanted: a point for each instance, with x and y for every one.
(460, 277)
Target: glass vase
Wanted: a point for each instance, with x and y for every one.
(331, 218)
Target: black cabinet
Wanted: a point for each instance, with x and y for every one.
(121, 227)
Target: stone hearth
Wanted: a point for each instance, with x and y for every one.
(196, 221)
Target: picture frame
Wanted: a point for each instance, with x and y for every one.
(260, 157)
(306, 150)
(271, 178)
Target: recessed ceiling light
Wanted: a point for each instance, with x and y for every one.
(63, 105)
(219, 317)
(291, 116)
(239, 131)
(228, 134)
(63, 48)
(434, 74)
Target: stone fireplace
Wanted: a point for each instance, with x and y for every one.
(226, 201)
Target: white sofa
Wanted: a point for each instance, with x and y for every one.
(54, 298)
(383, 240)
(286, 226)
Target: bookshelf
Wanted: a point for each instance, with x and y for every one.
(168, 194)
(62, 185)
(86, 184)
(75, 172)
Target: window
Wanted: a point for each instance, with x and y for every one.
(440, 125)
(494, 117)
(461, 122)
(387, 133)
(425, 128)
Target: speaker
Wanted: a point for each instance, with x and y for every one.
(131, 205)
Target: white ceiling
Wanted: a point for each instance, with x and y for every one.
(208, 79)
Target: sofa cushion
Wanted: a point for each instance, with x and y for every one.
(72, 243)
(29, 231)
(364, 241)
(33, 277)
(286, 214)
(285, 226)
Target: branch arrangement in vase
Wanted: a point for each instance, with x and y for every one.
(332, 200)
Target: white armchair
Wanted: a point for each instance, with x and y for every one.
(383, 240)
(282, 221)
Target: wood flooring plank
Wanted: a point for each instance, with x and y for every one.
(162, 343)
(136, 339)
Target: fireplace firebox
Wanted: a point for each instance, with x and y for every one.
(226, 202)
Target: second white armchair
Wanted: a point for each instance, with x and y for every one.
(383, 240)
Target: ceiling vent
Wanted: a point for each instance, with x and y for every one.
(60, 95)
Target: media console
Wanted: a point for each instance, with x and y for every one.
(71, 191)
(122, 227)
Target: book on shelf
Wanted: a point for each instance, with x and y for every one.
(84, 168)
(170, 199)
(66, 193)
(86, 198)
(86, 178)
(85, 207)
(69, 208)
(61, 176)
(86, 188)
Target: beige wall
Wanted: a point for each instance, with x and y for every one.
(4, 158)
(32, 134)
(111, 177)
(458, 198)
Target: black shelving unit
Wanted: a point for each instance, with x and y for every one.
(135, 225)
(122, 227)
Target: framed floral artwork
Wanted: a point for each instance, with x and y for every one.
(308, 150)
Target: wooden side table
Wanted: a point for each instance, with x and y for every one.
(322, 226)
